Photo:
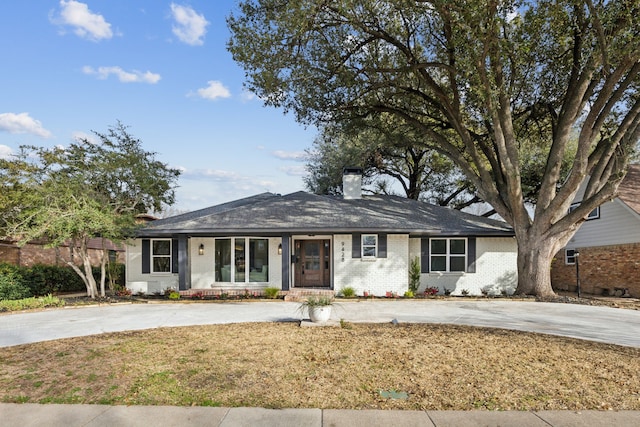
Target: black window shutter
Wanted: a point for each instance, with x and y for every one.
(146, 256)
(382, 245)
(424, 255)
(174, 255)
(356, 241)
(471, 255)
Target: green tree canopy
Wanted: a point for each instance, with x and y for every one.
(478, 79)
(387, 155)
(86, 190)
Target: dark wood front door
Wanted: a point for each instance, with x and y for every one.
(312, 263)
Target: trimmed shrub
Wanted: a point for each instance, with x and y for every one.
(12, 286)
(41, 280)
(49, 279)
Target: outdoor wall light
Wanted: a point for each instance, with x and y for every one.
(201, 249)
(280, 249)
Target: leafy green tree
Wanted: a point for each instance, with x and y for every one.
(386, 151)
(83, 191)
(479, 80)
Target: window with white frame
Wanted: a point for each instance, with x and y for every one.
(369, 245)
(594, 214)
(570, 256)
(448, 255)
(161, 256)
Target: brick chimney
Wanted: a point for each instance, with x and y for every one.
(352, 183)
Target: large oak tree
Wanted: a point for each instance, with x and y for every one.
(478, 78)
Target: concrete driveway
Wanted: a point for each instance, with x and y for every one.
(602, 324)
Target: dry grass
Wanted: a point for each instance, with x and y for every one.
(283, 365)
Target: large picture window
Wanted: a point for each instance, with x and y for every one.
(161, 256)
(242, 260)
(448, 255)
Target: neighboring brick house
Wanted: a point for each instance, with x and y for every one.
(304, 241)
(36, 253)
(608, 244)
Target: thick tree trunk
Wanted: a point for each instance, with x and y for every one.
(87, 274)
(534, 265)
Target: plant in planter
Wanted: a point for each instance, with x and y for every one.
(319, 307)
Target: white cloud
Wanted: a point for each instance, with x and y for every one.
(22, 123)
(298, 170)
(214, 91)
(214, 174)
(189, 27)
(86, 24)
(248, 96)
(5, 152)
(299, 156)
(124, 76)
(81, 136)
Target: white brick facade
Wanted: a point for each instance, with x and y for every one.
(137, 282)
(200, 267)
(377, 276)
(496, 269)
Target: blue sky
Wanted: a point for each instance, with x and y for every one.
(161, 68)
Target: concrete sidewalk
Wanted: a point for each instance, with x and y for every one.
(25, 415)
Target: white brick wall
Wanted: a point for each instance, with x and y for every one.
(377, 276)
(496, 269)
(145, 283)
(201, 268)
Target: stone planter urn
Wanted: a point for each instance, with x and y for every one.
(320, 314)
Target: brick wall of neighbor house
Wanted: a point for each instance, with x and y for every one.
(32, 254)
(9, 254)
(378, 276)
(496, 269)
(602, 269)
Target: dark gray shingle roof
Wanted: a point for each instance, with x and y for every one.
(304, 213)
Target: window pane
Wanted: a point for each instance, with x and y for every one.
(240, 260)
(369, 251)
(438, 263)
(456, 246)
(438, 246)
(223, 260)
(161, 264)
(312, 256)
(258, 260)
(456, 263)
(162, 247)
(369, 240)
(570, 256)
